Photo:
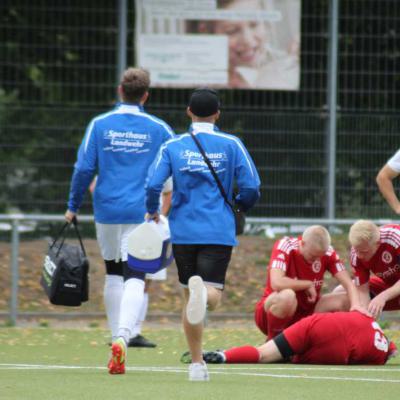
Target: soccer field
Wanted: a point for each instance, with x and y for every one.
(46, 363)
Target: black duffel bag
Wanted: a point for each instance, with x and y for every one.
(65, 271)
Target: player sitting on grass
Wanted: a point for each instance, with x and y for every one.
(295, 276)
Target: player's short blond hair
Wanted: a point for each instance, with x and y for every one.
(363, 231)
(318, 237)
(135, 82)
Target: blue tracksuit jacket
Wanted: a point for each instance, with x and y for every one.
(199, 214)
(119, 146)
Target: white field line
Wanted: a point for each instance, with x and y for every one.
(218, 371)
(219, 368)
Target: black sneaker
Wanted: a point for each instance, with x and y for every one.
(140, 341)
(210, 357)
(214, 357)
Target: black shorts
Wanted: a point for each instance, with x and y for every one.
(210, 261)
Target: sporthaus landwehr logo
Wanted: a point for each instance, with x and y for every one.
(127, 142)
(194, 161)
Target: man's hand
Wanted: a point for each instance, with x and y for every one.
(376, 305)
(311, 293)
(152, 217)
(69, 216)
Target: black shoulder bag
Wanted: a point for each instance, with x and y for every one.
(65, 271)
(240, 218)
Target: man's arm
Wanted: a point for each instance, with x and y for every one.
(363, 293)
(166, 196)
(166, 203)
(84, 171)
(280, 281)
(247, 179)
(377, 304)
(344, 279)
(384, 180)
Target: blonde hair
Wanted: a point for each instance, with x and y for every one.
(318, 237)
(135, 82)
(363, 231)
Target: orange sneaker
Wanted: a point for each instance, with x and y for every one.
(116, 365)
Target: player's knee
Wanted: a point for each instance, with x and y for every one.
(283, 304)
(288, 296)
(288, 301)
(271, 300)
(269, 352)
(282, 298)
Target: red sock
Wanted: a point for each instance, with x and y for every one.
(276, 325)
(242, 355)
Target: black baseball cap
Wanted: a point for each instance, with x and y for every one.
(204, 102)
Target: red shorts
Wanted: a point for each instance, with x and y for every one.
(261, 317)
(336, 338)
(376, 286)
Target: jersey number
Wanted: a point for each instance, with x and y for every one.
(380, 340)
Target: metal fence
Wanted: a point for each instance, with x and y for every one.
(317, 149)
(17, 221)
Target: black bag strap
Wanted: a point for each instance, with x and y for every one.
(212, 170)
(75, 223)
(61, 234)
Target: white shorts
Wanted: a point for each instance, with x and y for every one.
(113, 243)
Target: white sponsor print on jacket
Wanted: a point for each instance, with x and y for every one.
(127, 142)
(195, 159)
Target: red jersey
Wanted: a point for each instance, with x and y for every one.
(385, 263)
(286, 256)
(337, 338)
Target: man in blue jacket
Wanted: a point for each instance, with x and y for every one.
(119, 146)
(201, 222)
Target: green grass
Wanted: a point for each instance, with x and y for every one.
(86, 348)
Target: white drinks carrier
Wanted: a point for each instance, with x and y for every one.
(149, 246)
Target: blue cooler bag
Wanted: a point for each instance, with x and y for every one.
(149, 247)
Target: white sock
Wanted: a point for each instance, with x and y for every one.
(113, 289)
(131, 305)
(137, 329)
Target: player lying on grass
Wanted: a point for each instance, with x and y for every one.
(326, 338)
